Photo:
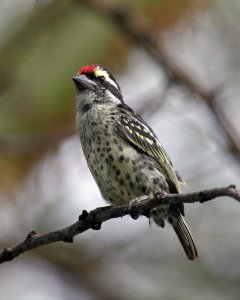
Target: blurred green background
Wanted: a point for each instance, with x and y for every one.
(44, 180)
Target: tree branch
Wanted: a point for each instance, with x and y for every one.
(96, 217)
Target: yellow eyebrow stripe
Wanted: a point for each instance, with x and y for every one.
(100, 72)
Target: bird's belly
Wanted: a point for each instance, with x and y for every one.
(121, 172)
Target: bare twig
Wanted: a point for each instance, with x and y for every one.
(96, 217)
(146, 38)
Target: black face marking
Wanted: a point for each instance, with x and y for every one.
(113, 90)
(101, 80)
(111, 76)
(91, 76)
(144, 189)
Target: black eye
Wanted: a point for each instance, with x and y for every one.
(102, 78)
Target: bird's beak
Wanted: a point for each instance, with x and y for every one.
(83, 83)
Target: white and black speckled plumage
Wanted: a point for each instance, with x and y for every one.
(123, 153)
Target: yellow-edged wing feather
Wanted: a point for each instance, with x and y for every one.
(136, 131)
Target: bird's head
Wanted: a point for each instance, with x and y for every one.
(96, 85)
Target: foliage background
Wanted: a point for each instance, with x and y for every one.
(44, 180)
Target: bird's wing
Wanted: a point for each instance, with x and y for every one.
(135, 130)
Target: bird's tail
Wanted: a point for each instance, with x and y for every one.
(180, 227)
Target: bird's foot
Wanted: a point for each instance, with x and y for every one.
(133, 213)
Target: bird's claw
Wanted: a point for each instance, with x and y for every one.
(133, 213)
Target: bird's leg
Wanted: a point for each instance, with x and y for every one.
(133, 213)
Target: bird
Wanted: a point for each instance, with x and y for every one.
(123, 153)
